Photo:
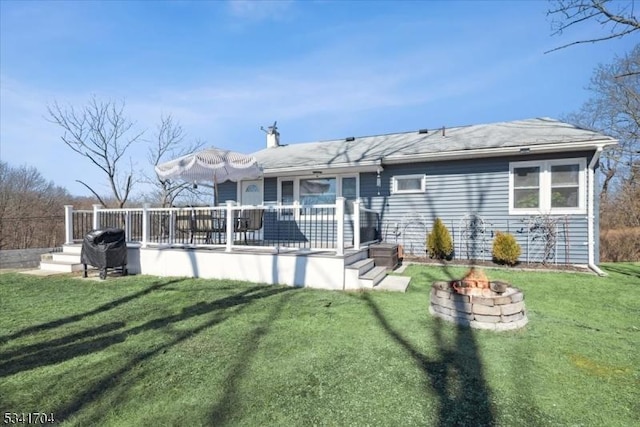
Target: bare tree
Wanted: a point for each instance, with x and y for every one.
(616, 17)
(100, 132)
(169, 144)
(614, 109)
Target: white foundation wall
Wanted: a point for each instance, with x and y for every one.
(294, 270)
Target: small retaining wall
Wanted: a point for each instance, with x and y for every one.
(22, 258)
(497, 312)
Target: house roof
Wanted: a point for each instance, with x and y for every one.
(487, 140)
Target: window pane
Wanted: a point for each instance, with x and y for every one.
(526, 177)
(349, 193)
(565, 175)
(317, 191)
(409, 184)
(564, 197)
(526, 198)
(349, 188)
(287, 192)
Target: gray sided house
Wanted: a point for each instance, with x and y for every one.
(533, 178)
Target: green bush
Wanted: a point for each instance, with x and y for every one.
(439, 242)
(505, 249)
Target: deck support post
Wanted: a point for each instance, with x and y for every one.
(340, 231)
(356, 224)
(230, 224)
(172, 227)
(68, 224)
(96, 216)
(127, 224)
(145, 225)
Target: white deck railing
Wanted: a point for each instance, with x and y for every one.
(316, 227)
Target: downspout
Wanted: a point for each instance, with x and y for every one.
(590, 212)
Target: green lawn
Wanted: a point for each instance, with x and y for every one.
(187, 352)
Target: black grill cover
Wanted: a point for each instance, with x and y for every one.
(105, 248)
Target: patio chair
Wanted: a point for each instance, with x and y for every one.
(212, 224)
(184, 224)
(248, 220)
(203, 224)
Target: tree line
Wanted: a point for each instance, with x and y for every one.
(31, 209)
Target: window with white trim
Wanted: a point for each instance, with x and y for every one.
(319, 190)
(547, 186)
(408, 184)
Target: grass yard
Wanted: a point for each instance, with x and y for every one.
(137, 351)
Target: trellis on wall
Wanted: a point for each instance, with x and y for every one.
(413, 232)
(542, 238)
(473, 237)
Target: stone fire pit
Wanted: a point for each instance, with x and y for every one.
(479, 303)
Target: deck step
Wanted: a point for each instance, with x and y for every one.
(393, 284)
(373, 277)
(74, 248)
(352, 256)
(362, 266)
(65, 257)
(62, 266)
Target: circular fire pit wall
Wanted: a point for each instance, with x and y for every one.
(479, 308)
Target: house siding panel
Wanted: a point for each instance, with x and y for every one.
(456, 189)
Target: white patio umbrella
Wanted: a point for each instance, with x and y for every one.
(211, 165)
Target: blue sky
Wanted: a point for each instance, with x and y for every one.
(322, 69)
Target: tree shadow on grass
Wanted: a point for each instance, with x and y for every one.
(455, 374)
(61, 349)
(627, 270)
(77, 317)
(40, 350)
(224, 409)
(114, 379)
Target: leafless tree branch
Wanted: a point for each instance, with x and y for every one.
(614, 109)
(101, 133)
(169, 143)
(100, 200)
(617, 17)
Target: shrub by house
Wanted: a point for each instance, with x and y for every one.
(506, 249)
(439, 242)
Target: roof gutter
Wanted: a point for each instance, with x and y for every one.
(500, 151)
(591, 212)
(369, 166)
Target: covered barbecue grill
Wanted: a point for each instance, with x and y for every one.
(103, 249)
